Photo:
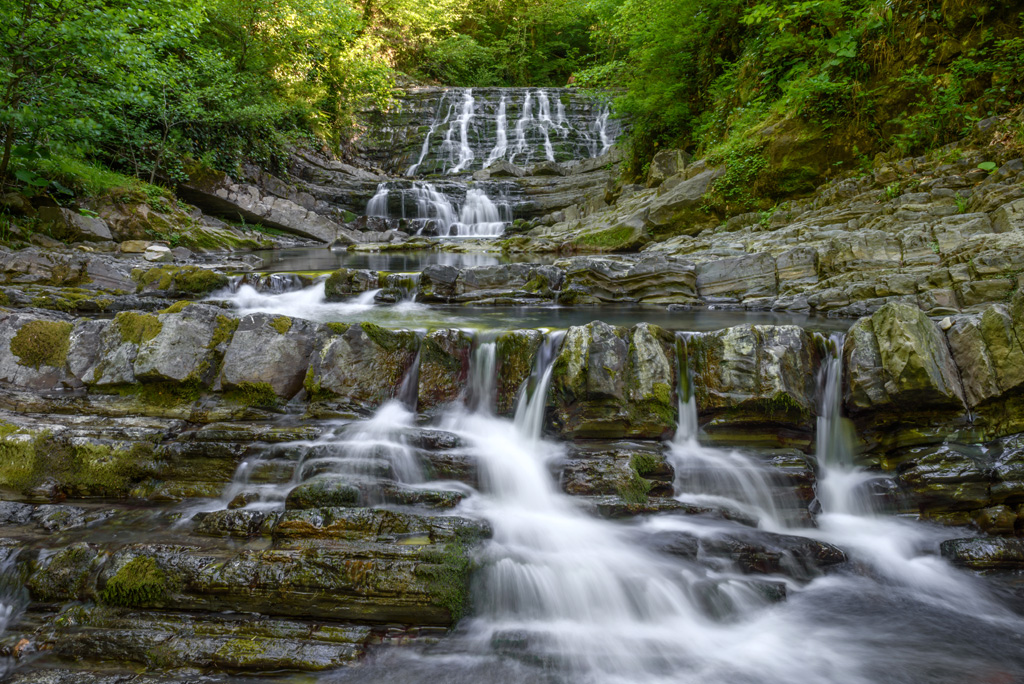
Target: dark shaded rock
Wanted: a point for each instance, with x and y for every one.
(985, 553)
(612, 382)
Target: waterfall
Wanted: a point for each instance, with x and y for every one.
(529, 416)
(525, 118)
(378, 204)
(482, 377)
(723, 477)
(432, 206)
(501, 135)
(601, 126)
(409, 392)
(480, 217)
(841, 484)
(433, 127)
(544, 119)
(464, 152)
(474, 128)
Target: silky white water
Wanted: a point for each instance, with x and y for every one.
(563, 596)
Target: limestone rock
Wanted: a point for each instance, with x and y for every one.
(737, 278)
(35, 351)
(70, 225)
(183, 349)
(613, 382)
(444, 367)
(359, 367)
(897, 362)
(515, 352)
(651, 278)
(269, 351)
(1009, 216)
(664, 164)
(158, 253)
(756, 382)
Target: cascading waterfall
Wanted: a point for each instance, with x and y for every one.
(546, 123)
(482, 377)
(433, 127)
(718, 476)
(524, 120)
(462, 122)
(501, 135)
(14, 597)
(433, 211)
(378, 204)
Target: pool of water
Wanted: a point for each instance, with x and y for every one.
(325, 259)
(310, 303)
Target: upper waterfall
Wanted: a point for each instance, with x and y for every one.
(461, 130)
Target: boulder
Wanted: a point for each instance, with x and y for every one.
(359, 367)
(184, 348)
(499, 169)
(444, 367)
(268, 352)
(515, 352)
(613, 382)
(897, 363)
(988, 349)
(668, 213)
(649, 278)
(666, 163)
(70, 225)
(756, 383)
(548, 168)
(1009, 216)
(158, 253)
(737, 278)
(35, 351)
(985, 553)
(345, 282)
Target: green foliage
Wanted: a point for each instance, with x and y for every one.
(900, 77)
(140, 583)
(42, 343)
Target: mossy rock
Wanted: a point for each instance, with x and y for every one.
(621, 238)
(42, 343)
(140, 583)
(191, 280)
(137, 327)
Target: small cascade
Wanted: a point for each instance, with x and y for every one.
(501, 135)
(409, 392)
(272, 283)
(399, 287)
(601, 126)
(378, 204)
(461, 156)
(522, 146)
(481, 392)
(841, 485)
(480, 217)
(717, 476)
(433, 127)
(432, 211)
(546, 123)
(529, 417)
(14, 598)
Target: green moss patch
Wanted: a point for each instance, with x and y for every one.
(139, 583)
(226, 327)
(282, 324)
(448, 573)
(137, 327)
(42, 343)
(82, 469)
(253, 394)
(187, 279)
(618, 238)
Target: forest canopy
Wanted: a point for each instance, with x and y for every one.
(150, 87)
